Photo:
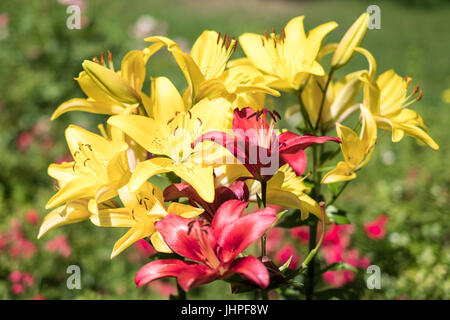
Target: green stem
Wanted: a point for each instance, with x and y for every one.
(309, 286)
(304, 112)
(181, 293)
(324, 95)
(336, 196)
(264, 293)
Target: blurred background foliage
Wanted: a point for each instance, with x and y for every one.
(40, 56)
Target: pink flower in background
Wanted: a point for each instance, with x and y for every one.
(4, 33)
(274, 238)
(66, 158)
(15, 276)
(28, 279)
(17, 288)
(145, 248)
(20, 281)
(285, 253)
(22, 248)
(60, 245)
(38, 297)
(336, 249)
(24, 140)
(47, 142)
(163, 288)
(32, 216)
(376, 229)
(301, 233)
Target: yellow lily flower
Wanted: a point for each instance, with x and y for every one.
(290, 58)
(204, 70)
(72, 212)
(99, 168)
(141, 210)
(350, 41)
(173, 139)
(285, 188)
(388, 99)
(108, 91)
(338, 103)
(357, 150)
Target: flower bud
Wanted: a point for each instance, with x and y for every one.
(350, 41)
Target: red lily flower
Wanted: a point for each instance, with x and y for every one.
(256, 145)
(238, 190)
(211, 249)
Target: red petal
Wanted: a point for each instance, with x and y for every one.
(252, 269)
(227, 141)
(238, 235)
(297, 161)
(240, 190)
(159, 269)
(196, 275)
(179, 190)
(174, 230)
(228, 212)
(290, 140)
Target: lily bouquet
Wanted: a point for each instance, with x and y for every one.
(232, 172)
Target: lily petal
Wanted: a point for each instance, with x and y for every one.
(252, 269)
(237, 236)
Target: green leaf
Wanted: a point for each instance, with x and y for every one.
(293, 219)
(339, 266)
(326, 169)
(334, 187)
(337, 216)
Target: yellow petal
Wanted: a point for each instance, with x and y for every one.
(159, 244)
(133, 69)
(81, 187)
(63, 172)
(87, 106)
(184, 210)
(165, 100)
(147, 169)
(342, 172)
(352, 147)
(350, 41)
(74, 211)
(111, 83)
(199, 177)
(76, 135)
(138, 232)
(149, 133)
(117, 217)
(315, 38)
(191, 72)
(210, 55)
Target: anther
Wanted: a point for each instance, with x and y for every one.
(228, 43)
(273, 30)
(96, 60)
(420, 95)
(218, 38)
(277, 114)
(109, 57)
(168, 122)
(102, 59)
(266, 34)
(84, 162)
(283, 34)
(190, 226)
(190, 114)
